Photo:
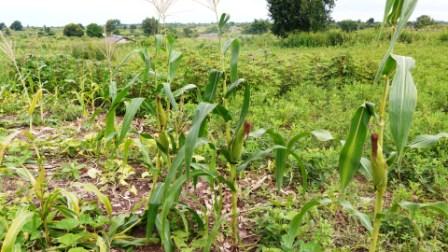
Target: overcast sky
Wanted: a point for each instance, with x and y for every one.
(61, 12)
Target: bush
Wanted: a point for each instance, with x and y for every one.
(150, 26)
(16, 26)
(348, 25)
(94, 31)
(444, 37)
(189, 32)
(112, 26)
(73, 30)
(258, 27)
(2, 26)
(317, 39)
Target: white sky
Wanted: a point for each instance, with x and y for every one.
(61, 12)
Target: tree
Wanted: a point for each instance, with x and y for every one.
(150, 26)
(73, 30)
(258, 26)
(112, 26)
(299, 15)
(423, 21)
(16, 26)
(94, 30)
(2, 26)
(189, 32)
(370, 21)
(348, 25)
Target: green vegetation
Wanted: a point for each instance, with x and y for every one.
(94, 30)
(313, 142)
(73, 30)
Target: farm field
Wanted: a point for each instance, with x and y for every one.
(226, 143)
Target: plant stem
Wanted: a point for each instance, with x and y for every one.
(234, 222)
(379, 201)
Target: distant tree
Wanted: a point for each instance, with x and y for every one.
(370, 21)
(94, 30)
(45, 31)
(189, 32)
(348, 25)
(73, 30)
(258, 26)
(16, 26)
(2, 26)
(112, 26)
(423, 21)
(133, 27)
(150, 26)
(299, 15)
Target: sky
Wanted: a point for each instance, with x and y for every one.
(61, 12)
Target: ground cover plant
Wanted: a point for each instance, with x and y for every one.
(231, 143)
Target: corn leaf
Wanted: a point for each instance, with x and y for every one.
(439, 207)
(396, 13)
(426, 141)
(350, 156)
(213, 80)
(153, 208)
(296, 222)
(281, 157)
(184, 89)
(190, 143)
(174, 59)
(131, 110)
(402, 101)
(22, 217)
(322, 135)
(362, 217)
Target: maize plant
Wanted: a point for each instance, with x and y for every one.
(399, 99)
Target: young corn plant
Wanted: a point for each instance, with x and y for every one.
(399, 99)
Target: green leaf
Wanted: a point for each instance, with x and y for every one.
(366, 168)
(397, 13)
(190, 143)
(69, 240)
(213, 80)
(169, 93)
(224, 19)
(281, 156)
(294, 226)
(234, 86)
(175, 56)
(234, 60)
(153, 207)
(101, 197)
(426, 141)
(350, 156)
(244, 109)
(439, 207)
(22, 217)
(362, 217)
(402, 101)
(257, 156)
(322, 135)
(131, 110)
(184, 89)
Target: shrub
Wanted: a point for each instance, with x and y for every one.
(444, 37)
(348, 25)
(112, 26)
(73, 30)
(16, 26)
(189, 32)
(150, 26)
(258, 26)
(94, 30)
(316, 39)
(2, 26)
(424, 21)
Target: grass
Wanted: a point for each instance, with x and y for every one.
(294, 90)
